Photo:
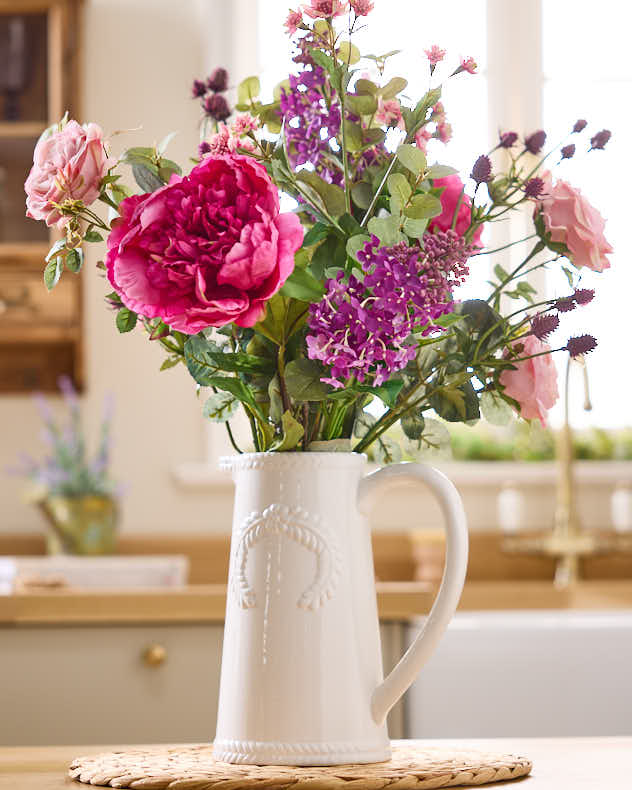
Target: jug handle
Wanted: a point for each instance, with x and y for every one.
(444, 606)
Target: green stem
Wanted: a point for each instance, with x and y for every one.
(537, 249)
(505, 246)
(285, 398)
(232, 438)
(369, 211)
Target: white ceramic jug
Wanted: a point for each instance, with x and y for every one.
(301, 679)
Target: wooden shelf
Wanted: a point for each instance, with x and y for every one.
(41, 335)
(22, 129)
(24, 249)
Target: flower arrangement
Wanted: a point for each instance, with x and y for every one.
(68, 470)
(305, 317)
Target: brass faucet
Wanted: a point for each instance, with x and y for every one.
(567, 541)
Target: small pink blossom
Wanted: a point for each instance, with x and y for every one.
(389, 113)
(318, 9)
(533, 384)
(468, 64)
(294, 19)
(361, 7)
(444, 132)
(244, 123)
(571, 220)
(421, 139)
(438, 112)
(435, 54)
(219, 143)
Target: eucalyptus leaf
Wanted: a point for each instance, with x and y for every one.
(495, 409)
(393, 87)
(434, 443)
(355, 244)
(386, 229)
(348, 53)
(362, 104)
(424, 206)
(366, 87)
(412, 158)
(220, 407)
(399, 187)
(248, 90)
(362, 194)
(387, 451)
(440, 171)
(415, 228)
(354, 140)
(413, 423)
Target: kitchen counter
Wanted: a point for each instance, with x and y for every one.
(558, 763)
(205, 603)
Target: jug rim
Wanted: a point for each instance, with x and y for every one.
(260, 460)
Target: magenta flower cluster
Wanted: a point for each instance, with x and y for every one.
(362, 328)
(309, 123)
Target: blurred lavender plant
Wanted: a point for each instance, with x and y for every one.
(67, 470)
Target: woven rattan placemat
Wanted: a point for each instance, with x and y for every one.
(193, 768)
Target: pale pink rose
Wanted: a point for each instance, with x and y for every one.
(320, 9)
(69, 164)
(534, 382)
(389, 113)
(571, 220)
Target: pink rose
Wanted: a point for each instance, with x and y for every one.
(69, 164)
(571, 220)
(534, 382)
(453, 187)
(206, 249)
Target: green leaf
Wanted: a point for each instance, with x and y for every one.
(355, 244)
(330, 252)
(220, 406)
(371, 137)
(423, 207)
(323, 60)
(164, 143)
(440, 171)
(170, 362)
(316, 233)
(93, 236)
(425, 103)
(500, 272)
(332, 196)
(276, 401)
(495, 410)
(434, 442)
(363, 424)
(205, 359)
(125, 320)
(57, 247)
(399, 188)
(302, 379)
(456, 404)
(480, 318)
(366, 88)
(415, 228)
(167, 168)
(387, 451)
(292, 434)
(74, 260)
(52, 272)
(279, 88)
(236, 387)
(393, 87)
(147, 178)
(362, 104)
(283, 318)
(412, 158)
(348, 53)
(353, 137)
(362, 194)
(386, 229)
(413, 424)
(248, 90)
(138, 155)
(387, 392)
(301, 284)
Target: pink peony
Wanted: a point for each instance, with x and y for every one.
(534, 382)
(571, 220)
(206, 249)
(319, 9)
(453, 186)
(389, 113)
(68, 164)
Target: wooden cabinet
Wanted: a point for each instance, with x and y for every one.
(40, 333)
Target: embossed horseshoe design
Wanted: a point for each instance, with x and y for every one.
(294, 524)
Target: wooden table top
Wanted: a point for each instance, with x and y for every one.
(558, 763)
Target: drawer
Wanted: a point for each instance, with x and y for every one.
(94, 685)
(25, 301)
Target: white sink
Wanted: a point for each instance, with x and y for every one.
(526, 673)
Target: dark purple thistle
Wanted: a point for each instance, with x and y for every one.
(217, 107)
(534, 187)
(544, 325)
(534, 143)
(198, 89)
(568, 152)
(598, 141)
(584, 344)
(203, 149)
(508, 140)
(565, 304)
(584, 295)
(482, 170)
(218, 81)
(579, 126)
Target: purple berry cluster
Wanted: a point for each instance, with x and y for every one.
(362, 328)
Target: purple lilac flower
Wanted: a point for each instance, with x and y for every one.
(598, 141)
(534, 187)
(362, 328)
(584, 295)
(579, 126)
(507, 139)
(568, 151)
(309, 123)
(543, 325)
(482, 170)
(534, 143)
(583, 344)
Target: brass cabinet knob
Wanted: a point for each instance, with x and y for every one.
(154, 655)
